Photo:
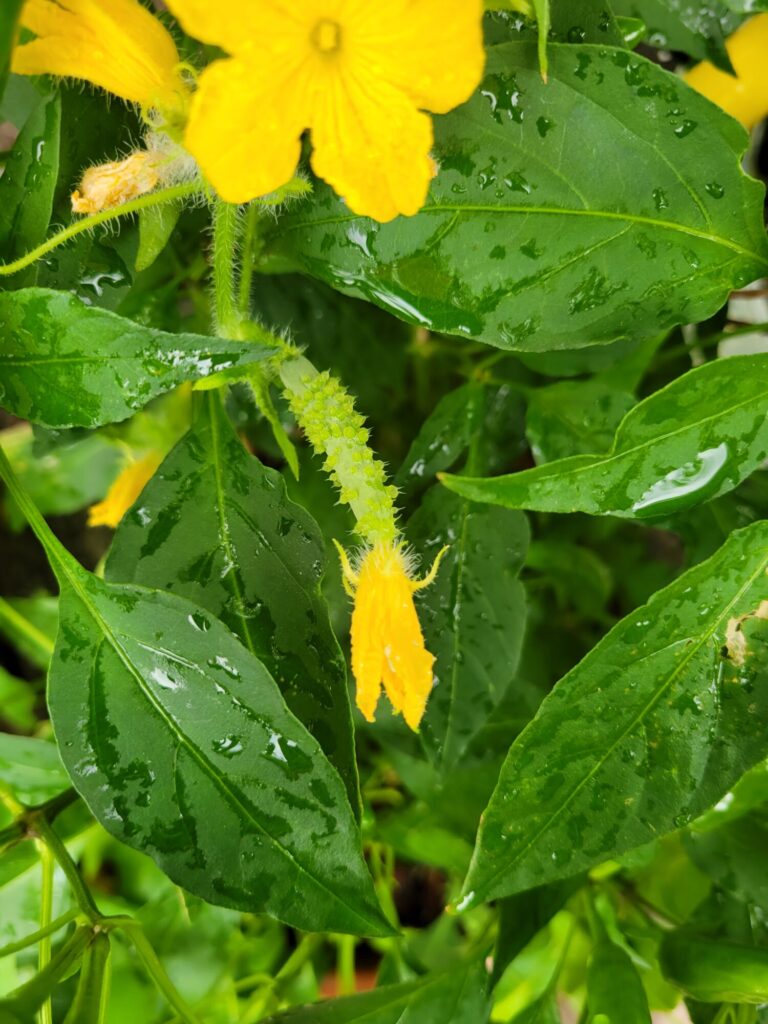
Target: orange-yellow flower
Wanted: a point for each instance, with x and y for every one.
(745, 96)
(358, 74)
(115, 44)
(124, 491)
(387, 643)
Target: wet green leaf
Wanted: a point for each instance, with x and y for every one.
(64, 364)
(31, 768)
(473, 615)
(444, 436)
(692, 441)
(181, 743)
(698, 28)
(574, 418)
(27, 185)
(521, 244)
(215, 526)
(639, 738)
(455, 997)
(614, 987)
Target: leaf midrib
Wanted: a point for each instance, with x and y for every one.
(705, 636)
(558, 211)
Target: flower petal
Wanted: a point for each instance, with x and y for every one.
(367, 647)
(432, 50)
(245, 127)
(115, 44)
(239, 26)
(372, 145)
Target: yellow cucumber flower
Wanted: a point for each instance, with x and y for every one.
(115, 44)
(387, 643)
(358, 74)
(744, 97)
(124, 491)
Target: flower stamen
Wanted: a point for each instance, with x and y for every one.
(326, 36)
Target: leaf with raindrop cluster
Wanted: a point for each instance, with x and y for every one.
(64, 364)
(181, 743)
(473, 615)
(693, 440)
(610, 204)
(644, 734)
(214, 525)
(698, 28)
(458, 996)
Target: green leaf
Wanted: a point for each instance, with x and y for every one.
(25, 1001)
(9, 17)
(614, 987)
(698, 28)
(639, 738)
(693, 440)
(64, 364)
(734, 855)
(522, 917)
(28, 183)
(156, 226)
(543, 1011)
(444, 436)
(454, 997)
(473, 615)
(521, 244)
(181, 743)
(215, 526)
(17, 702)
(70, 474)
(30, 624)
(574, 418)
(714, 971)
(31, 768)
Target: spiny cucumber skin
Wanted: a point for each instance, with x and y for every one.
(336, 430)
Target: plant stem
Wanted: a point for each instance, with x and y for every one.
(157, 973)
(47, 864)
(22, 626)
(226, 223)
(88, 223)
(251, 240)
(41, 933)
(60, 559)
(345, 964)
(61, 853)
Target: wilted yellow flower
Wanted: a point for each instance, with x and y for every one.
(357, 73)
(115, 44)
(387, 643)
(124, 491)
(112, 184)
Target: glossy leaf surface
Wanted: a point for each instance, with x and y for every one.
(521, 244)
(215, 526)
(455, 997)
(28, 183)
(473, 616)
(574, 418)
(64, 364)
(697, 28)
(693, 440)
(639, 738)
(181, 744)
(31, 768)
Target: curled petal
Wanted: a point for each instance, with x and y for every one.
(124, 491)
